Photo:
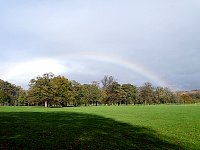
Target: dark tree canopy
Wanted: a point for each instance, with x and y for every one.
(51, 90)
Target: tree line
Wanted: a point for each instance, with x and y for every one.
(57, 91)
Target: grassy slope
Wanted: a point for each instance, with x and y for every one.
(110, 127)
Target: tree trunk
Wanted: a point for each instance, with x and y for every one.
(46, 104)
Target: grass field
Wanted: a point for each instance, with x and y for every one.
(103, 127)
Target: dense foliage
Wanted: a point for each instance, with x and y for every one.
(58, 91)
(9, 93)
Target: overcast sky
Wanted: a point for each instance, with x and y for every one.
(133, 40)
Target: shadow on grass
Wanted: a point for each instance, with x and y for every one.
(63, 130)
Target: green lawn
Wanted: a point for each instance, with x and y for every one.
(103, 127)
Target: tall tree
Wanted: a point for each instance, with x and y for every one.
(115, 94)
(62, 91)
(131, 93)
(159, 95)
(107, 81)
(147, 93)
(41, 89)
(97, 94)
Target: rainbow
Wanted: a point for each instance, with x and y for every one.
(131, 65)
(26, 70)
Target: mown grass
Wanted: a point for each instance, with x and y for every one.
(104, 127)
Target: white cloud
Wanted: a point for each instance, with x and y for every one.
(24, 71)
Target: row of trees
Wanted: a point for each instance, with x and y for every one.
(50, 90)
(59, 91)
